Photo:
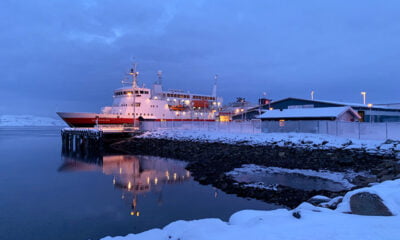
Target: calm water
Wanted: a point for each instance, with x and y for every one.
(44, 195)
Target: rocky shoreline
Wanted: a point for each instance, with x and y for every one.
(209, 161)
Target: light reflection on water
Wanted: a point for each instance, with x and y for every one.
(45, 196)
(134, 175)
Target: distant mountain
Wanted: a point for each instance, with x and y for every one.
(28, 120)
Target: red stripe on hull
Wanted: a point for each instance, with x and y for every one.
(86, 122)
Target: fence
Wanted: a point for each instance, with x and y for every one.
(253, 126)
(360, 130)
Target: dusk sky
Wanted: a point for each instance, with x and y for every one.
(70, 55)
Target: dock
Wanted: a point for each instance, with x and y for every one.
(90, 143)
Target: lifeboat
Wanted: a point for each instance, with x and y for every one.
(200, 103)
(176, 107)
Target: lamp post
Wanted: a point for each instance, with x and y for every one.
(312, 95)
(364, 96)
(370, 112)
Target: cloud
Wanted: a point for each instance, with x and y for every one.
(74, 51)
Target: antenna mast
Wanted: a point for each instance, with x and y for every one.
(214, 92)
(134, 75)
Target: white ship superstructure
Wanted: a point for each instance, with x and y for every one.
(133, 103)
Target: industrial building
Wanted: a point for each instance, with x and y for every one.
(367, 112)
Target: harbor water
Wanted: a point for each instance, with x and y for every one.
(47, 195)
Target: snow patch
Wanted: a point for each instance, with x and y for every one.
(302, 223)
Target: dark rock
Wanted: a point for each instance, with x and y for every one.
(316, 200)
(387, 177)
(296, 214)
(363, 181)
(389, 141)
(365, 203)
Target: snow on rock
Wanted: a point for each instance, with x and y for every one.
(302, 140)
(388, 191)
(28, 120)
(338, 177)
(303, 223)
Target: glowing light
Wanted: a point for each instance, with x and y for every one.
(129, 185)
(187, 174)
(271, 108)
(187, 102)
(155, 181)
(370, 105)
(120, 170)
(114, 181)
(364, 96)
(132, 213)
(174, 176)
(148, 180)
(137, 213)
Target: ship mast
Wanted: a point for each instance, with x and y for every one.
(134, 75)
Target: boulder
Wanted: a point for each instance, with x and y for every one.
(365, 203)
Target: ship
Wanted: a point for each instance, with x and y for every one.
(133, 104)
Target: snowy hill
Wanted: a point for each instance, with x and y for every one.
(28, 120)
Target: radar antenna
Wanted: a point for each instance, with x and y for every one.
(159, 75)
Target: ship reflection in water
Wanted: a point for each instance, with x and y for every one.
(134, 175)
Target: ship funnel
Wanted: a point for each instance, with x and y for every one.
(157, 87)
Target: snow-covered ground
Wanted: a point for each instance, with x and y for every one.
(28, 120)
(311, 223)
(342, 178)
(304, 140)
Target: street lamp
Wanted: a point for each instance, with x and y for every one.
(364, 95)
(370, 112)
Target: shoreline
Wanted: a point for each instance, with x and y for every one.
(212, 156)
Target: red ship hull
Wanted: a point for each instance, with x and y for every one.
(92, 119)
